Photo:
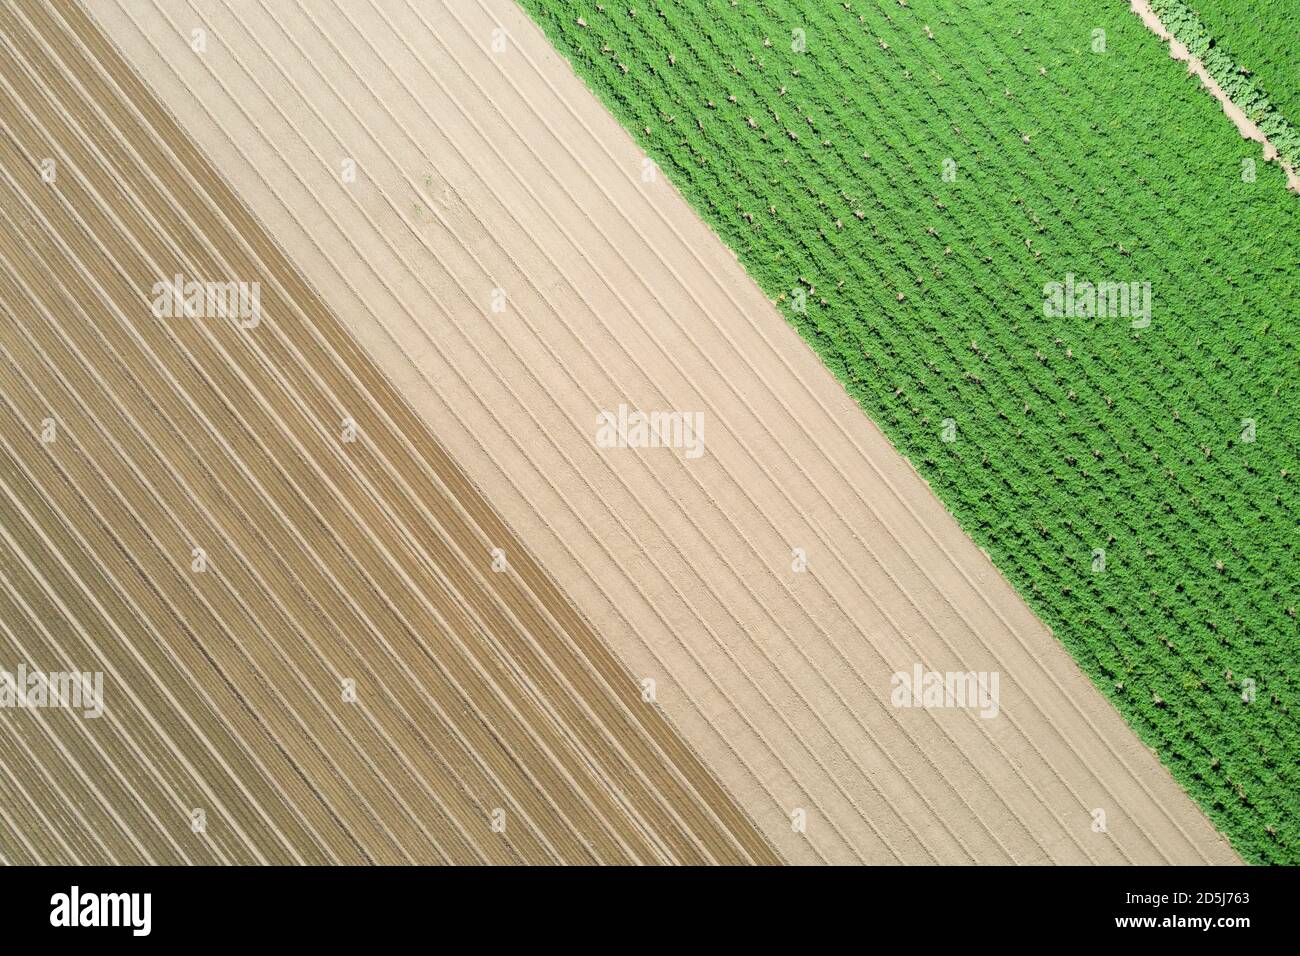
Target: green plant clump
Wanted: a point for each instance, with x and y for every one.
(1252, 50)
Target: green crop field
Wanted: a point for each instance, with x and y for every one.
(924, 189)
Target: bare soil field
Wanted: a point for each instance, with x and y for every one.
(690, 656)
(308, 654)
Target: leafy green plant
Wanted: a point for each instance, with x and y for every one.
(1268, 32)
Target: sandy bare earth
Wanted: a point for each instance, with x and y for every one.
(512, 269)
